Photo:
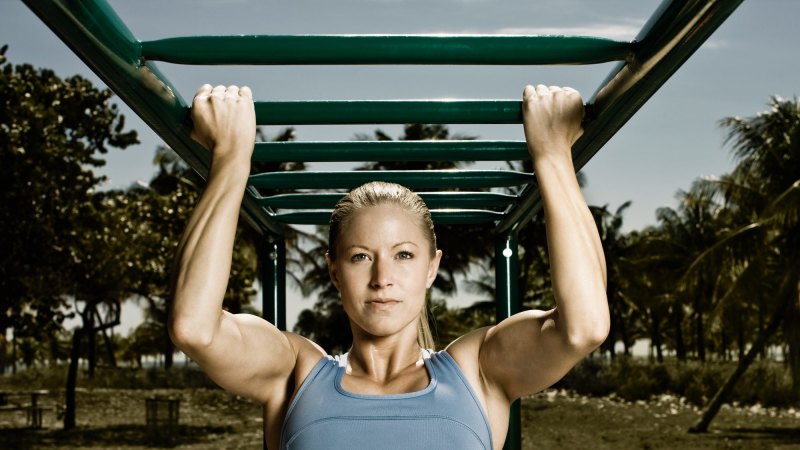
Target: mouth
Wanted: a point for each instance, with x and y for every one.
(382, 303)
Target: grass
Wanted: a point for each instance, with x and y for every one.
(556, 419)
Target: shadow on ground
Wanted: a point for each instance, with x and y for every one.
(103, 437)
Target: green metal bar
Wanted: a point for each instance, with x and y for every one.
(444, 217)
(274, 279)
(314, 112)
(391, 151)
(507, 304)
(98, 36)
(674, 32)
(387, 49)
(413, 179)
(434, 200)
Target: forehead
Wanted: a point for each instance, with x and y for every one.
(386, 224)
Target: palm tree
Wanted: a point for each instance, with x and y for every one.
(762, 245)
(688, 231)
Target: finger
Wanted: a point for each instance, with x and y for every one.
(542, 90)
(203, 90)
(528, 92)
(555, 89)
(246, 92)
(218, 91)
(232, 91)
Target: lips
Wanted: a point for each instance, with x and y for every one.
(382, 303)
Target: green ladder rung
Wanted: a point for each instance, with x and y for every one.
(319, 112)
(440, 217)
(413, 179)
(385, 49)
(335, 151)
(434, 200)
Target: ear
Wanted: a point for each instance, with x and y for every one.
(433, 267)
(332, 271)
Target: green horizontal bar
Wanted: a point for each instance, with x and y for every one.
(391, 151)
(388, 49)
(413, 179)
(672, 34)
(443, 217)
(100, 38)
(388, 111)
(434, 200)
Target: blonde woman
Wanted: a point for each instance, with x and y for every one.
(390, 391)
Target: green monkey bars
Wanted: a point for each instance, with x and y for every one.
(99, 37)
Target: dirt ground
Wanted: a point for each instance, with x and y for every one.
(211, 419)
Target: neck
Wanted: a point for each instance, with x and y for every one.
(381, 359)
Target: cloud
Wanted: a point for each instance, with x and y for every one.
(617, 31)
(715, 44)
(624, 30)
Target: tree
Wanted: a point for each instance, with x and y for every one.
(762, 197)
(52, 134)
(620, 271)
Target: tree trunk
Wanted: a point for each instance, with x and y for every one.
(168, 348)
(112, 359)
(655, 337)
(677, 319)
(625, 338)
(72, 377)
(723, 346)
(789, 295)
(91, 334)
(791, 330)
(14, 352)
(700, 342)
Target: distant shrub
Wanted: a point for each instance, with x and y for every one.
(766, 382)
(55, 378)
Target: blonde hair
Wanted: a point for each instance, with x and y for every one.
(378, 193)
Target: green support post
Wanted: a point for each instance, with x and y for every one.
(507, 304)
(274, 282)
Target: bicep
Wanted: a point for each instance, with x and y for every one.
(247, 356)
(527, 353)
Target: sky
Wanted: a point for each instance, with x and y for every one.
(672, 140)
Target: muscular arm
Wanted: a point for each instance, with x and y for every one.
(242, 353)
(531, 350)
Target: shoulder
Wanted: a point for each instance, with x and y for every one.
(465, 351)
(307, 353)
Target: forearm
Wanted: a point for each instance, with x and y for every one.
(577, 263)
(204, 254)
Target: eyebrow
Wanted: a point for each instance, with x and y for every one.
(367, 248)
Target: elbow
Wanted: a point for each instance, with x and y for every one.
(187, 335)
(590, 335)
(587, 341)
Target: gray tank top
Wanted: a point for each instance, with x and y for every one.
(444, 415)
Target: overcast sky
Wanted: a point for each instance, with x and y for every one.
(671, 141)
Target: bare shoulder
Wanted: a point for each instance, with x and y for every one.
(307, 352)
(466, 349)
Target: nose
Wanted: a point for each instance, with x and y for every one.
(381, 274)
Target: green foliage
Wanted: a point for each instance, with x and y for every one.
(53, 133)
(52, 378)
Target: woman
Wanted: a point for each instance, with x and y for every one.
(388, 391)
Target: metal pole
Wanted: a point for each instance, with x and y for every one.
(507, 304)
(274, 282)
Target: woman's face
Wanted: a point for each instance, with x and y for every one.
(382, 270)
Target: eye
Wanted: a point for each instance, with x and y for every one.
(358, 257)
(405, 255)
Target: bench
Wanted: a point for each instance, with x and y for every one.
(33, 410)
